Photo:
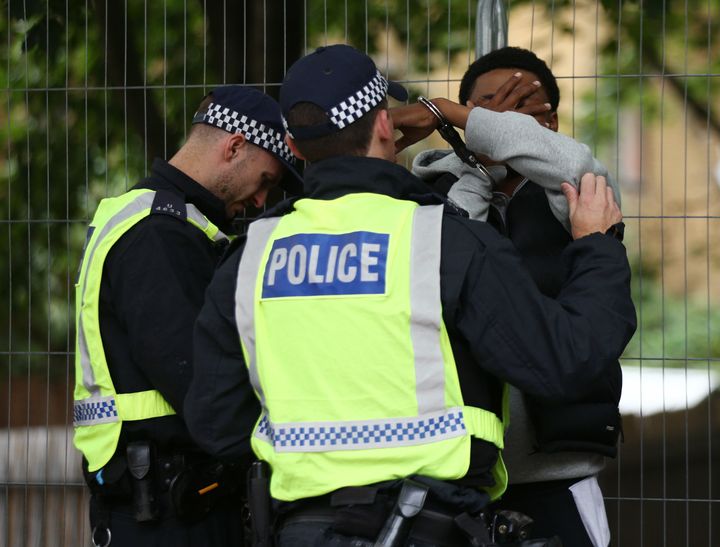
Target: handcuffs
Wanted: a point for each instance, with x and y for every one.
(451, 136)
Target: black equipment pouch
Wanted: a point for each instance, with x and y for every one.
(409, 503)
(192, 495)
(139, 463)
(200, 486)
(259, 504)
(510, 526)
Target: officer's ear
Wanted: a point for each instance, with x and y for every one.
(384, 125)
(233, 146)
(293, 147)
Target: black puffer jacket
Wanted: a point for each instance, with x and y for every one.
(592, 424)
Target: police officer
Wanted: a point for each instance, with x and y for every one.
(149, 256)
(357, 340)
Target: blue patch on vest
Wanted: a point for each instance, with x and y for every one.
(326, 264)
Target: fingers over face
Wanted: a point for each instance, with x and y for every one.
(505, 89)
(523, 92)
(533, 108)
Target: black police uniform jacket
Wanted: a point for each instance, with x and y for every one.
(152, 289)
(500, 326)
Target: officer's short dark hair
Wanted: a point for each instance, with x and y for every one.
(203, 130)
(511, 57)
(353, 140)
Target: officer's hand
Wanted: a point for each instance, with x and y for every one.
(415, 122)
(593, 208)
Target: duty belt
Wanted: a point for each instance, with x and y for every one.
(390, 518)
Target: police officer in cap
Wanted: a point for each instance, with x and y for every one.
(149, 256)
(358, 339)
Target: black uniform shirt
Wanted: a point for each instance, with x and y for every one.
(152, 288)
(500, 325)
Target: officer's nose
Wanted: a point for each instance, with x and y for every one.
(260, 197)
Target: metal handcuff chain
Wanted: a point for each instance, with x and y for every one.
(452, 137)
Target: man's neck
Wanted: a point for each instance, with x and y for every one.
(510, 183)
(192, 168)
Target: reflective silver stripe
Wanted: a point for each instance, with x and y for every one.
(95, 410)
(426, 308)
(142, 202)
(362, 434)
(258, 235)
(202, 221)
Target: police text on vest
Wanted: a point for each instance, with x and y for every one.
(326, 264)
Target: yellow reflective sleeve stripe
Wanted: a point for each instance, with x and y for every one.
(484, 425)
(142, 405)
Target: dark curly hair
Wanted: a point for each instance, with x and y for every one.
(511, 57)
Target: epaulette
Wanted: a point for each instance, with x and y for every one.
(169, 203)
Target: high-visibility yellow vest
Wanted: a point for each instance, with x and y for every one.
(98, 411)
(339, 314)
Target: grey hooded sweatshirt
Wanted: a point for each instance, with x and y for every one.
(547, 158)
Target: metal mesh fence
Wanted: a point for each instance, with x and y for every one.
(92, 91)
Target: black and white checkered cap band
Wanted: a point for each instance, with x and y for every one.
(257, 133)
(360, 102)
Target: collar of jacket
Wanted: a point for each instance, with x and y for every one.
(167, 177)
(342, 175)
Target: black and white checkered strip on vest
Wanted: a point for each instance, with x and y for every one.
(360, 102)
(255, 132)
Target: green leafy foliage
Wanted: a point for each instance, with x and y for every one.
(93, 91)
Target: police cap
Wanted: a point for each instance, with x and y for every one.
(341, 80)
(241, 109)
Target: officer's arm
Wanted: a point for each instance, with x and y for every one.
(220, 407)
(158, 273)
(552, 349)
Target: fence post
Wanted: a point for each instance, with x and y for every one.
(491, 26)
